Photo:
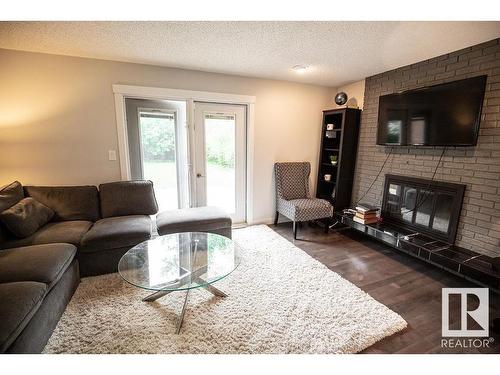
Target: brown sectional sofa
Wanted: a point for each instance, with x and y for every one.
(88, 233)
(102, 223)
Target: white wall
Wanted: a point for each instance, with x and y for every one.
(355, 92)
(57, 118)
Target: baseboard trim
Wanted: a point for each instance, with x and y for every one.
(267, 220)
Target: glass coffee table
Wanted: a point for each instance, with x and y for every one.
(180, 262)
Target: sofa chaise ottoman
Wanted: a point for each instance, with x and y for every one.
(198, 219)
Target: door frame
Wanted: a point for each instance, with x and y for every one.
(142, 92)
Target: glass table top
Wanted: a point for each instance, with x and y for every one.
(179, 261)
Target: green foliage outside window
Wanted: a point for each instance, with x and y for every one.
(219, 139)
(158, 141)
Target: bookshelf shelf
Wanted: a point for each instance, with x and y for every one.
(328, 182)
(340, 144)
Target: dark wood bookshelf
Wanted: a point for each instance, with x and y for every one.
(342, 142)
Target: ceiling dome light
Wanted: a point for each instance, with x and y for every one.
(300, 68)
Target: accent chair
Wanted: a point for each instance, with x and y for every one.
(292, 196)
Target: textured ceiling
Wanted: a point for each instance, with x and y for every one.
(336, 52)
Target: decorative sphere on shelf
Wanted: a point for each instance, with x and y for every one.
(341, 98)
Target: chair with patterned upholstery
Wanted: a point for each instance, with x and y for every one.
(292, 195)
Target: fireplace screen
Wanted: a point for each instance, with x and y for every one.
(431, 207)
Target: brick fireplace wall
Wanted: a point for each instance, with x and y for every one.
(477, 167)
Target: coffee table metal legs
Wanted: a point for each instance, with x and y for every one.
(212, 289)
(180, 319)
(156, 295)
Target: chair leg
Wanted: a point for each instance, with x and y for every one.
(294, 230)
(276, 218)
(327, 224)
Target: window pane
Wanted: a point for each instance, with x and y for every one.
(443, 213)
(424, 210)
(220, 144)
(409, 202)
(393, 195)
(159, 157)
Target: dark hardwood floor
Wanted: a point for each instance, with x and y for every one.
(408, 286)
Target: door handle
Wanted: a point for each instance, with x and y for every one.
(199, 175)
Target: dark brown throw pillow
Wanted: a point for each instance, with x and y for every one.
(26, 217)
(10, 194)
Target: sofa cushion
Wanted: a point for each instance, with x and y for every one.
(116, 232)
(198, 219)
(305, 209)
(70, 232)
(20, 301)
(10, 194)
(292, 179)
(40, 263)
(68, 202)
(127, 198)
(26, 217)
(4, 234)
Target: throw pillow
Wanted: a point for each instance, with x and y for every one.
(26, 217)
(10, 194)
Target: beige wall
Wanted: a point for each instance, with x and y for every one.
(57, 118)
(355, 92)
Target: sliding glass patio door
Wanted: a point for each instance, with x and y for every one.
(204, 165)
(220, 157)
(158, 148)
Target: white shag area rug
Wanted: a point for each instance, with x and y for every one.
(280, 301)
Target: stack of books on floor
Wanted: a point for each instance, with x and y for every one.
(366, 214)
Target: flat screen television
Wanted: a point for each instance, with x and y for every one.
(442, 115)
